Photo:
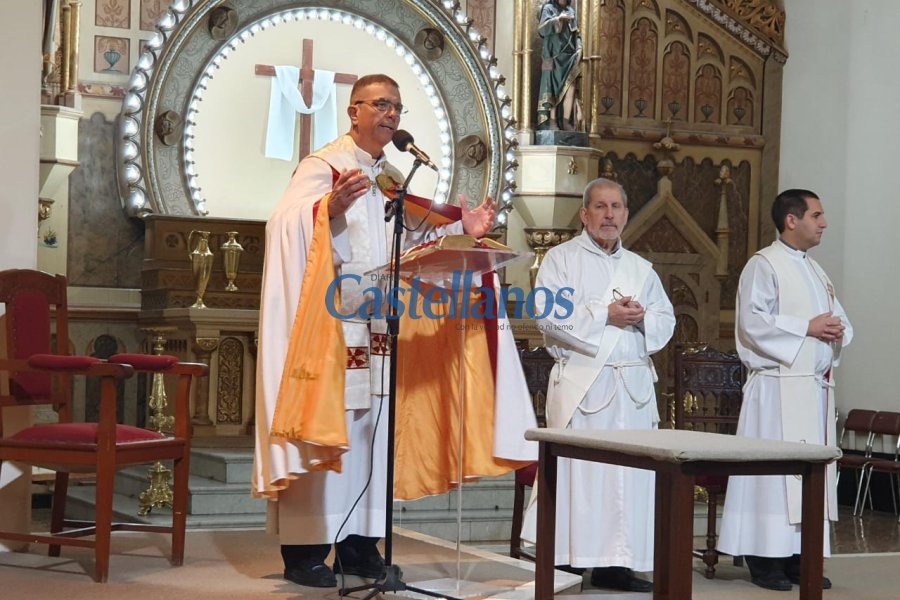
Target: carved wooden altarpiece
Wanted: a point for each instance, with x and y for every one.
(683, 97)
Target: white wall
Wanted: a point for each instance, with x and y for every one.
(20, 68)
(840, 123)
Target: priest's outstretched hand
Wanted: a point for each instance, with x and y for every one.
(477, 221)
(350, 185)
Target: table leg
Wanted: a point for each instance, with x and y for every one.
(812, 533)
(546, 524)
(673, 531)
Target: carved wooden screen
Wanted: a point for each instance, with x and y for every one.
(685, 89)
(708, 390)
(537, 364)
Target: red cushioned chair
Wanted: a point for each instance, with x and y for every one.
(708, 394)
(40, 375)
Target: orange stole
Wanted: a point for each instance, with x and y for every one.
(308, 408)
(428, 404)
(310, 405)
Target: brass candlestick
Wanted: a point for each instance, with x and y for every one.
(201, 264)
(231, 256)
(159, 493)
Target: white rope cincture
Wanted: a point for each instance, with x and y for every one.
(618, 373)
(820, 379)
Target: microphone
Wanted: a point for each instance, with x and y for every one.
(403, 141)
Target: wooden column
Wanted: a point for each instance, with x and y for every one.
(203, 348)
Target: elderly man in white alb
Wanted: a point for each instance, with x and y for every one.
(603, 379)
(790, 330)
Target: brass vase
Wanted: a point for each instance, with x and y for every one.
(201, 264)
(231, 256)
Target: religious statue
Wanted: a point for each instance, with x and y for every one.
(222, 23)
(557, 105)
(49, 42)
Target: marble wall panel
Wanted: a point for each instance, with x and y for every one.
(105, 247)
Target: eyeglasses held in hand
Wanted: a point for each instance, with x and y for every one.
(382, 105)
(617, 295)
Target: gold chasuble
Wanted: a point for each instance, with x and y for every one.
(429, 411)
(310, 406)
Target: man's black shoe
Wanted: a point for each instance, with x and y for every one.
(772, 581)
(792, 571)
(826, 583)
(768, 572)
(311, 574)
(361, 559)
(619, 578)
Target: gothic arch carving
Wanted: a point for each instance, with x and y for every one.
(676, 83)
(740, 107)
(740, 71)
(709, 49)
(642, 69)
(677, 26)
(651, 6)
(612, 49)
(708, 94)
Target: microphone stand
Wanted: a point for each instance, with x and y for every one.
(393, 578)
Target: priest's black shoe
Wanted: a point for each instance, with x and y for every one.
(768, 573)
(359, 556)
(826, 583)
(619, 578)
(792, 571)
(311, 574)
(772, 581)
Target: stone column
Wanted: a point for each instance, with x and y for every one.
(72, 97)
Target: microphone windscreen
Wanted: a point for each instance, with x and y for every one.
(402, 139)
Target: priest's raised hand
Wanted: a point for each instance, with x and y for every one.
(478, 221)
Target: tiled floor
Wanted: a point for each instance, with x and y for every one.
(873, 532)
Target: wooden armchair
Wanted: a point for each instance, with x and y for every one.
(708, 392)
(40, 375)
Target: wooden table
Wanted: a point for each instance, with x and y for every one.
(676, 457)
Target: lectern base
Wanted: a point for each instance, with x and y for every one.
(455, 588)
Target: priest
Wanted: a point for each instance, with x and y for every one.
(790, 330)
(322, 409)
(603, 379)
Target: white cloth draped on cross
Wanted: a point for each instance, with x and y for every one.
(285, 101)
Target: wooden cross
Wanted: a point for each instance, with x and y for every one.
(307, 74)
